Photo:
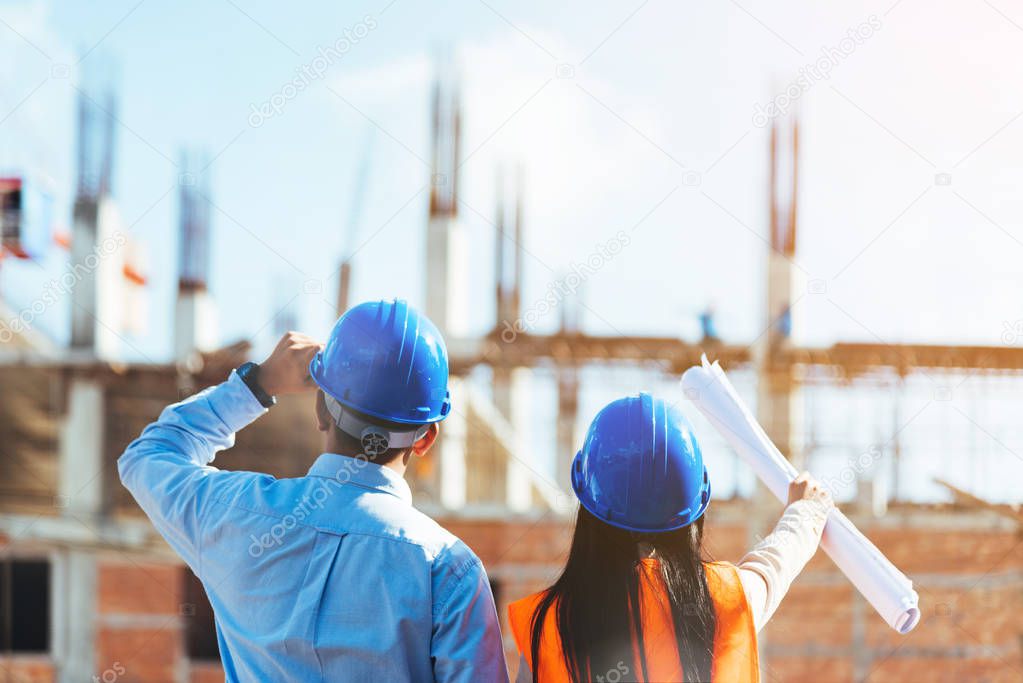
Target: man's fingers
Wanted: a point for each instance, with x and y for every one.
(307, 348)
(296, 340)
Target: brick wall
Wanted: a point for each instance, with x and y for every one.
(140, 621)
(26, 669)
(970, 583)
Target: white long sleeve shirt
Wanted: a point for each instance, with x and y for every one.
(769, 568)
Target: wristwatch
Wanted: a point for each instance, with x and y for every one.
(249, 373)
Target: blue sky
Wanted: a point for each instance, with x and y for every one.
(649, 127)
(656, 92)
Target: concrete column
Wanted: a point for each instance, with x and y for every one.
(447, 275)
(81, 449)
(195, 322)
(569, 440)
(344, 287)
(74, 595)
(81, 495)
(97, 264)
(515, 400)
(455, 434)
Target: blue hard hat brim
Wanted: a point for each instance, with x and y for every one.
(585, 501)
(317, 372)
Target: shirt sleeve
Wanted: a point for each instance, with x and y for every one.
(167, 467)
(466, 644)
(767, 571)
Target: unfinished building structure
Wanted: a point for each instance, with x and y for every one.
(195, 324)
(88, 589)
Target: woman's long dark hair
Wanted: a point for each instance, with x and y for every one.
(596, 601)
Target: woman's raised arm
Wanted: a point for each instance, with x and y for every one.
(769, 568)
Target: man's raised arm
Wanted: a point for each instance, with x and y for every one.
(167, 467)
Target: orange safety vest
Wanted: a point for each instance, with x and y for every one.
(735, 638)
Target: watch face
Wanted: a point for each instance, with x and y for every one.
(249, 372)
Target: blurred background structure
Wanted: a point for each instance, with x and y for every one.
(915, 429)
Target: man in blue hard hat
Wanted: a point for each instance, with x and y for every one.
(331, 576)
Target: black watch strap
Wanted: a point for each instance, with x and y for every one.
(249, 373)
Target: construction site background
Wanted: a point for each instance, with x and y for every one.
(918, 439)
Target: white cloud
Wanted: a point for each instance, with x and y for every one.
(579, 158)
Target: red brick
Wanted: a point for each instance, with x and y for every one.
(143, 588)
(992, 615)
(524, 541)
(28, 669)
(946, 670)
(727, 542)
(926, 551)
(146, 655)
(809, 670)
(813, 615)
(205, 672)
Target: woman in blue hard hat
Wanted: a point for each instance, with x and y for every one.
(643, 490)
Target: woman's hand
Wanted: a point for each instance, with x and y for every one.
(805, 487)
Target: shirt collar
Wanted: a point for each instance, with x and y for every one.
(359, 471)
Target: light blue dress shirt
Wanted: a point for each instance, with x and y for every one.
(329, 577)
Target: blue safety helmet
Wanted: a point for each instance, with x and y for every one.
(640, 467)
(386, 360)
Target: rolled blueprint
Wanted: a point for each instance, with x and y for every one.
(875, 577)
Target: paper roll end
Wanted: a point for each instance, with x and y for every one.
(908, 620)
(689, 376)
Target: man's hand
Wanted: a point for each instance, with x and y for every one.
(286, 371)
(805, 487)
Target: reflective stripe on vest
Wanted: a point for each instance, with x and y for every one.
(735, 638)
